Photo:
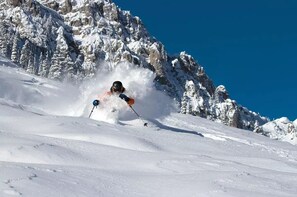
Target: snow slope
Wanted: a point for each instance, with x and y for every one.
(48, 146)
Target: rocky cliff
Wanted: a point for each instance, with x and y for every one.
(280, 129)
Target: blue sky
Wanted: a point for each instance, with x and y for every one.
(248, 46)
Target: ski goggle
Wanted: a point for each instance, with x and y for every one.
(116, 88)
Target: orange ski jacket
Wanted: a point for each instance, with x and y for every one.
(130, 101)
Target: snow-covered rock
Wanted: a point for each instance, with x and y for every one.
(280, 129)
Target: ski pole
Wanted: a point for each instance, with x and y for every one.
(95, 104)
(144, 123)
(124, 97)
(92, 111)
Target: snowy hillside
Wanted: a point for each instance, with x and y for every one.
(48, 146)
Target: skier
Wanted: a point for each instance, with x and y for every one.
(117, 89)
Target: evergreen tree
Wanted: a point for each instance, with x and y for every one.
(15, 49)
(89, 68)
(10, 38)
(69, 70)
(184, 103)
(48, 25)
(55, 71)
(60, 59)
(31, 68)
(78, 67)
(25, 52)
(42, 67)
(41, 59)
(45, 65)
(3, 39)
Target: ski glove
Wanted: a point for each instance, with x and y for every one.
(124, 97)
(96, 102)
(130, 101)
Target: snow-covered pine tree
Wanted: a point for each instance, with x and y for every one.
(43, 68)
(3, 39)
(25, 52)
(15, 48)
(88, 65)
(55, 71)
(10, 35)
(69, 68)
(78, 67)
(31, 67)
(60, 57)
(6, 39)
(184, 104)
(89, 68)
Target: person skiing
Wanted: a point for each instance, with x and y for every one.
(117, 89)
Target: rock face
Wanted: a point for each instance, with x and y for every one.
(69, 39)
(280, 129)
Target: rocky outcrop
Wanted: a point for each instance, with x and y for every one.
(14, 3)
(280, 129)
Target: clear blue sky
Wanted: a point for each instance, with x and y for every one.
(248, 46)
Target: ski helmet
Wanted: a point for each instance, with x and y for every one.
(117, 86)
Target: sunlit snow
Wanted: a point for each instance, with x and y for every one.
(49, 146)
